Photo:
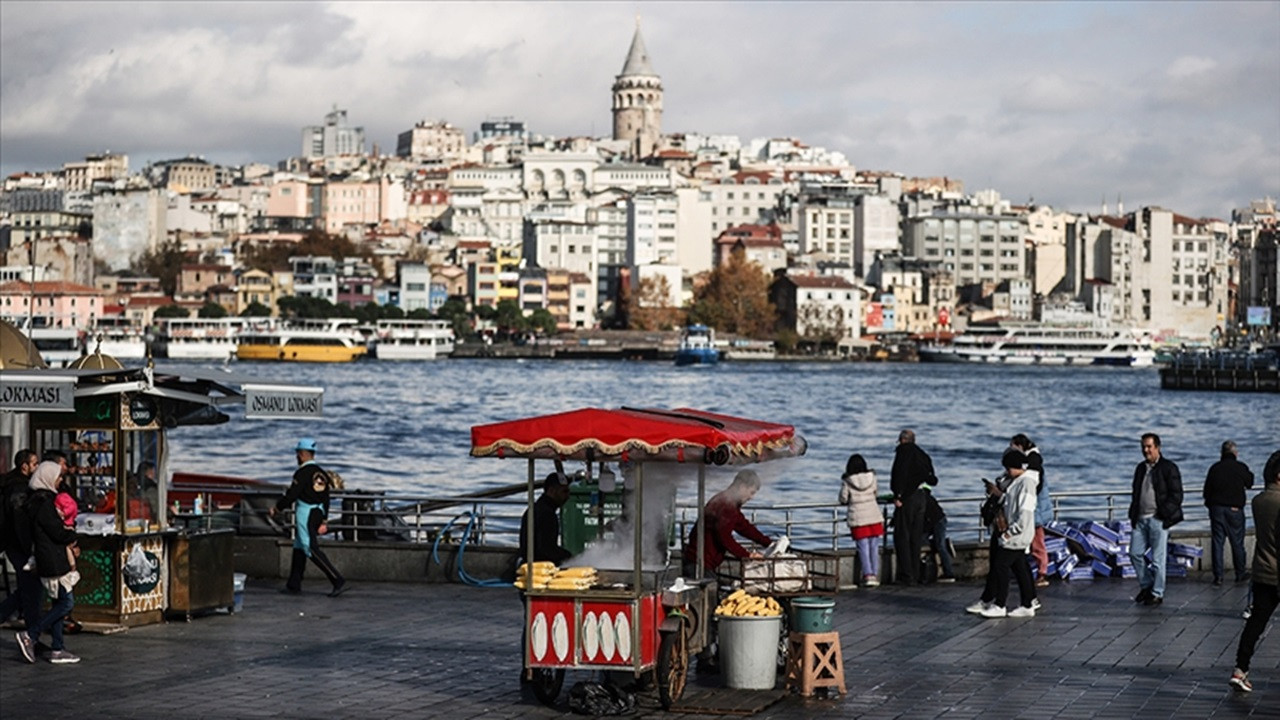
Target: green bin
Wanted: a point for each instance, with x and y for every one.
(812, 614)
(586, 511)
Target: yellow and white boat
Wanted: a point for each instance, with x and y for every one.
(303, 341)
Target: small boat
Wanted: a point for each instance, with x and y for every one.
(697, 347)
(198, 338)
(334, 340)
(411, 340)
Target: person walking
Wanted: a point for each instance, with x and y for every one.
(1224, 488)
(1012, 523)
(50, 539)
(912, 469)
(1155, 507)
(309, 495)
(1044, 505)
(866, 522)
(1266, 570)
(15, 538)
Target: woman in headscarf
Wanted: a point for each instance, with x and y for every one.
(50, 538)
(723, 517)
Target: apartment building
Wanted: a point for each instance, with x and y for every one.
(980, 241)
(335, 137)
(431, 142)
(744, 198)
(761, 244)
(60, 303)
(819, 309)
(80, 176)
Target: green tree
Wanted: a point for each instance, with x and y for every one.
(455, 311)
(392, 312)
(212, 310)
(543, 322)
(256, 309)
(164, 262)
(370, 312)
(735, 299)
(172, 311)
(510, 318)
(420, 314)
(293, 307)
(648, 307)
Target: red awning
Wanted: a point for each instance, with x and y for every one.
(681, 435)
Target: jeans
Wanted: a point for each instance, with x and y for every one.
(908, 536)
(1149, 532)
(1227, 523)
(26, 594)
(52, 620)
(939, 544)
(869, 553)
(1265, 599)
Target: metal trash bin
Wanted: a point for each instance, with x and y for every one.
(749, 651)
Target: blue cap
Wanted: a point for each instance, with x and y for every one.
(308, 444)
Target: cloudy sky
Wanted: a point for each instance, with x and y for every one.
(1174, 104)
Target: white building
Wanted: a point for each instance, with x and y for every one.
(126, 224)
(335, 137)
(875, 230)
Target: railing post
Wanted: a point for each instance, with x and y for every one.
(835, 530)
(1111, 508)
(787, 522)
(478, 511)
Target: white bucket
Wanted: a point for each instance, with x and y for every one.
(237, 588)
(749, 651)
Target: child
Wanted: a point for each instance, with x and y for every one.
(67, 510)
(866, 521)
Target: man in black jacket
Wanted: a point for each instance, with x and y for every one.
(1224, 488)
(546, 522)
(1155, 507)
(912, 469)
(16, 538)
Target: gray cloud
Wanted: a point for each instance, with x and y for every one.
(1176, 104)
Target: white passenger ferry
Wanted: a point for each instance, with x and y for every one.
(411, 340)
(199, 338)
(1033, 344)
(118, 337)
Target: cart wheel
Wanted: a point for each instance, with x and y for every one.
(546, 684)
(672, 669)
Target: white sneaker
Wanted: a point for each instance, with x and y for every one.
(994, 611)
(1035, 603)
(977, 608)
(1022, 612)
(871, 581)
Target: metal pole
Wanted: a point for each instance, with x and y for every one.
(700, 526)
(636, 605)
(528, 570)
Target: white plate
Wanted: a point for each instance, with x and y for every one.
(590, 636)
(606, 637)
(624, 637)
(538, 636)
(560, 636)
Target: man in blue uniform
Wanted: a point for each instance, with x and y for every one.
(309, 495)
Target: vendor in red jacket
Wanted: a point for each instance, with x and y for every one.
(723, 517)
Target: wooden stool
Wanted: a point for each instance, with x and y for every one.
(814, 661)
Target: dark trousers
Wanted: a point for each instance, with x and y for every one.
(26, 594)
(908, 537)
(298, 563)
(51, 622)
(1015, 562)
(1265, 599)
(1227, 523)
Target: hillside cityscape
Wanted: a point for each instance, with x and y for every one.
(510, 233)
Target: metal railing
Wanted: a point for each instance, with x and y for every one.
(383, 517)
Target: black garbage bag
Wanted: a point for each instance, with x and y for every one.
(596, 699)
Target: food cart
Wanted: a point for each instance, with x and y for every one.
(111, 421)
(634, 620)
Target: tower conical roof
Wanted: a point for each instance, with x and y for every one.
(637, 57)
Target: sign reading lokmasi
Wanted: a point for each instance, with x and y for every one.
(36, 393)
(280, 401)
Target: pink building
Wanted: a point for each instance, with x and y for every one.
(60, 304)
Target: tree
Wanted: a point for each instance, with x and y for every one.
(510, 318)
(307, 307)
(543, 322)
(165, 263)
(275, 256)
(648, 308)
(212, 310)
(172, 311)
(455, 311)
(735, 299)
(256, 309)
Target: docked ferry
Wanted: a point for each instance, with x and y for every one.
(411, 340)
(1033, 344)
(118, 337)
(198, 338)
(697, 347)
(334, 340)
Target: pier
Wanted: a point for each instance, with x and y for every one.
(395, 650)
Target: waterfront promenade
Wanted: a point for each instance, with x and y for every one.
(388, 650)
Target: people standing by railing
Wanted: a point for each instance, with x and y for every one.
(1224, 488)
(1155, 507)
(912, 469)
(866, 522)
(1044, 505)
(1011, 514)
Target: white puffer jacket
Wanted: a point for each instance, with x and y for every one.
(1020, 510)
(858, 493)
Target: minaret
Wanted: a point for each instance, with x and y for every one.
(637, 101)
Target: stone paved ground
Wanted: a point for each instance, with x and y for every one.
(450, 651)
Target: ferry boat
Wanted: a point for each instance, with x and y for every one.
(411, 339)
(1033, 344)
(199, 338)
(697, 347)
(118, 337)
(333, 340)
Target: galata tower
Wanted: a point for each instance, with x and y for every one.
(637, 101)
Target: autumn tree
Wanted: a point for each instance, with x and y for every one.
(275, 256)
(649, 308)
(165, 263)
(735, 299)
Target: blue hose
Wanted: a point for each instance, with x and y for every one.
(463, 575)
